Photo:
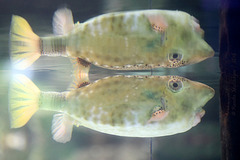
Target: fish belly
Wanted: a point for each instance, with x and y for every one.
(150, 130)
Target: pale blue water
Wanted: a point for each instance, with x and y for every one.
(34, 140)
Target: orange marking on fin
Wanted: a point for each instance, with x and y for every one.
(158, 22)
(158, 116)
(157, 28)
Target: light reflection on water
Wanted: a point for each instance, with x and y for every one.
(51, 74)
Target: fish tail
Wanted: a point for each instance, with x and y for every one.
(80, 73)
(23, 100)
(24, 44)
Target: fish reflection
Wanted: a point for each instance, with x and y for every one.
(122, 40)
(133, 106)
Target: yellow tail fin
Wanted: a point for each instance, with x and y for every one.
(23, 100)
(24, 44)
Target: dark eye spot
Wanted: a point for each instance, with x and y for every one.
(175, 85)
(175, 57)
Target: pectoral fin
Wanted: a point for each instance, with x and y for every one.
(159, 113)
(62, 21)
(158, 116)
(158, 22)
(62, 126)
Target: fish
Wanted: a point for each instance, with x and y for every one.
(130, 40)
(128, 106)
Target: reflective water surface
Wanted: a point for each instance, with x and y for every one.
(34, 140)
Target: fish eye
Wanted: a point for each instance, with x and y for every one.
(175, 57)
(175, 85)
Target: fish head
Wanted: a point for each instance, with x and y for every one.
(184, 43)
(198, 94)
(185, 100)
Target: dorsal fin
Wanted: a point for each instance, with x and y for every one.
(62, 21)
(62, 126)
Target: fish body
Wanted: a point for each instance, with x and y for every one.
(128, 40)
(122, 40)
(134, 106)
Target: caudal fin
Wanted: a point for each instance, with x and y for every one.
(80, 73)
(24, 44)
(23, 100)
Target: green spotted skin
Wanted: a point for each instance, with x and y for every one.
(133, 40)
(128, 40)
(114, 41)
(123, 105)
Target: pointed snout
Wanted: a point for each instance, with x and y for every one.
(206, 93)
(208, 52)
(203, 93)
(203, 51)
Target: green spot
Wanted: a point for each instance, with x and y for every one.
(151, 95)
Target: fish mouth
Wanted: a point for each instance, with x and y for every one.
(198, 117)
(208, 93)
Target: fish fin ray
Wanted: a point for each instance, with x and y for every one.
(62, 21)
(23, 100)
(158, 116)
(157, 22)
(62, 127)
(24, 44)
(79, 73)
